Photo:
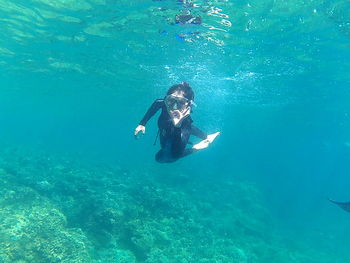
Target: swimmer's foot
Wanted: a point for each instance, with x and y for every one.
(205, 143)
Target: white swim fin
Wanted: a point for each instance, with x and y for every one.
(205, 143)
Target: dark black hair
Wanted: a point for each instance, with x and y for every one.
(185, 88)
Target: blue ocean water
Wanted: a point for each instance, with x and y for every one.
(77, 77)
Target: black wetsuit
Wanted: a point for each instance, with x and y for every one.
(173, 140)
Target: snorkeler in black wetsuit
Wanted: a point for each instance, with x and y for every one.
(175, 124)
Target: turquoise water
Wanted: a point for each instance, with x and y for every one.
(77, 76)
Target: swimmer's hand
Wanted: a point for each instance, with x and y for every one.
(138, 129)
(205, 143)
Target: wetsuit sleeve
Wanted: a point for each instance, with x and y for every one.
(157, 104)
(198, 133)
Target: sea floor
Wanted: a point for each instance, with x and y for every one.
(62, 209)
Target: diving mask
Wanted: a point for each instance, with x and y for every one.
(178, 108)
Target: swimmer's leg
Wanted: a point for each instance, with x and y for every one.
(164, 154)
(175, 148)
(188, 152)
(163, 157)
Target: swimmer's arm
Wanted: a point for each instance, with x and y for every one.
(157, 104)
(198, 133)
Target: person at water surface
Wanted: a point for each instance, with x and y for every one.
(175, 124)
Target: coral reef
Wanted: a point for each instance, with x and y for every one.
(33, 230)
(57, 209)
